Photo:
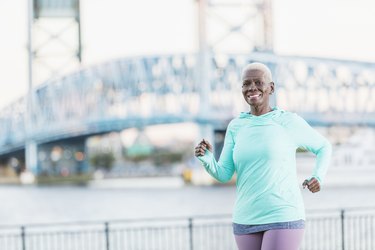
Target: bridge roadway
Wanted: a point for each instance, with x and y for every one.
(141, 91)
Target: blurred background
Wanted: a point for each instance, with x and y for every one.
(102, 103)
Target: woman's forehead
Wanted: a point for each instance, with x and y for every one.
(253, 74)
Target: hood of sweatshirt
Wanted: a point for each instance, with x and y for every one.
(272, 114)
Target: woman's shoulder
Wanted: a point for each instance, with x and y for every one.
(285, 118)
(236, 123)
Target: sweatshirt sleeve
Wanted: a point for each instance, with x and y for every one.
(309, 139)
(223, 169)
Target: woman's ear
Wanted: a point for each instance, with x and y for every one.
(272, 85)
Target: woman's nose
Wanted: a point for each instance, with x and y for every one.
(251, 86)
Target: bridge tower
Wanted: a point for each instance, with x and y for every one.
(54, 46)
(228, 26)
(55, 38)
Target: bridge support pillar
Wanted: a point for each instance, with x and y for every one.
(31, 157)
(62, 158)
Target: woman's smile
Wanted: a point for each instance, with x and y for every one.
(253, 97)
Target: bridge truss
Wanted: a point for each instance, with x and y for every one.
(136, 92)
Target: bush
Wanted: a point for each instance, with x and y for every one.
(103, 160)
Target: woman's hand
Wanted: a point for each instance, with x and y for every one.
(200, 149)
(313, 185)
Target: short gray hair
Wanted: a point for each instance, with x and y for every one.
(259, 66)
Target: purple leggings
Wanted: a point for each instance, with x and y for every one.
(275, 239)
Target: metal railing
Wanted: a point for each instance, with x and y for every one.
(349, 229)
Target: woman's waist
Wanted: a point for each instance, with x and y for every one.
(270, 214)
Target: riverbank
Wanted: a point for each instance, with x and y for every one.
(337, 176)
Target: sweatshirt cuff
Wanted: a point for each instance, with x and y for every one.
(206, 158)
(318, 179)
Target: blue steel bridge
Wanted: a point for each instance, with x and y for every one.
(142, 91)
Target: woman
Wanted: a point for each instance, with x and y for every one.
(260, 146)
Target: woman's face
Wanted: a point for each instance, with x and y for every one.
(256, 88)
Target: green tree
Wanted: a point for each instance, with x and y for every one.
(103, 160)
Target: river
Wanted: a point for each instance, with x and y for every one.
(49, 204)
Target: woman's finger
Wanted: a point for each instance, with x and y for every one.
(207, 144)
(305, 183)
(312, 184)
(312, 181)
(199, 150)
(314, 188)
(315, 185)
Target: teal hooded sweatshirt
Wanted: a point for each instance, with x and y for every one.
(262, 152)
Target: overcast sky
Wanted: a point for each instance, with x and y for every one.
(119, 28)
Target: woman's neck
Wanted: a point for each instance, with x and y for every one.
(257, 110)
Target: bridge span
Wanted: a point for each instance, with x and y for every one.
(142, 91)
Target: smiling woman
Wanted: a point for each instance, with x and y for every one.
(260, 146)
(257, 86)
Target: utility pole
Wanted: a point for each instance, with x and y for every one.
(203, 74)
(30, 145)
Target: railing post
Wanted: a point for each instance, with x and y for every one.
(23, 238)
(106, 230)
(191, 241)
(342, 229)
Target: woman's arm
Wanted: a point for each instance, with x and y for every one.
(223, 169)
(309, 139)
